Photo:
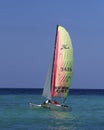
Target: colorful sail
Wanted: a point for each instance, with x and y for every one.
(60, 71)
(62, 64)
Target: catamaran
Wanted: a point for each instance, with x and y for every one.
(58, 80)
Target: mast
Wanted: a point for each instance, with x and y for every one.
(54, 56)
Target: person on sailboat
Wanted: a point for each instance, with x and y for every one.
(55, 102)
(47, 102)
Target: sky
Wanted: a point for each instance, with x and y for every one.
(27, 36)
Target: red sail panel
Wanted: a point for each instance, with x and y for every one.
(57, 77)
(55, 65)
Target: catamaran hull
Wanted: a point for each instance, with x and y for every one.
(50, 106)
(37, 106)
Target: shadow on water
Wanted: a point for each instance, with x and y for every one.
(61, 120)
(54, 119)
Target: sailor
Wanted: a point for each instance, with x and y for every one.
(47, 102)
(55, 102)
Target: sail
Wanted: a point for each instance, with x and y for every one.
(59, 75)
(47, 86)
(62, 64)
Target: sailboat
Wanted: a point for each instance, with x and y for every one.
(58, 80)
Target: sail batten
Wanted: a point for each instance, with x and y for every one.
(60, 73)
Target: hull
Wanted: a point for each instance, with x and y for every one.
(37, 106)
(50, 106)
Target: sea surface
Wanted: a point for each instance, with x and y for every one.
(87, 111)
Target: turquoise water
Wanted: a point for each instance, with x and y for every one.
(87, 113)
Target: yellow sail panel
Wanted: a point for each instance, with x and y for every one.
(63, 63)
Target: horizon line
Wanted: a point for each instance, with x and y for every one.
(70, 88)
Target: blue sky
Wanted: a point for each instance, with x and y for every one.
(27, 35)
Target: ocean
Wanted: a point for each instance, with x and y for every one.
(87, 111)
